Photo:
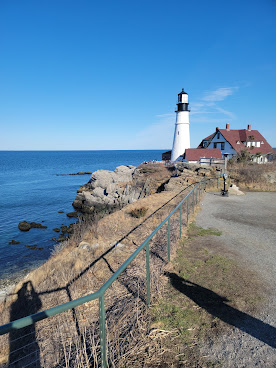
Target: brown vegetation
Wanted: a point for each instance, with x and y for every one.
(79, 267)
(253, 176)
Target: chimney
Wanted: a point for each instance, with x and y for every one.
(249, 127)
(227, 126)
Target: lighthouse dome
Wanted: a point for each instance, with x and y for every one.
(182, 97)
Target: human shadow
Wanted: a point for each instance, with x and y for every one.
(217, 306)
(24, 349)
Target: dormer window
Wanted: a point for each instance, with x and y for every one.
(238, 142)
(218, 135)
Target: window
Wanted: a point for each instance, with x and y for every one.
(222, 145)
(218, 135)
(205, 144)
(215, 145)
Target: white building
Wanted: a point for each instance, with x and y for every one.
(234, 141)
(181, 139)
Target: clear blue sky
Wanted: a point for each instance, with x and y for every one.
(105, 74)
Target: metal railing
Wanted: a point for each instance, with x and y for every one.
(193, 196)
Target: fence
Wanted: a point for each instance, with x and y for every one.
(188, 203)
(211, 161)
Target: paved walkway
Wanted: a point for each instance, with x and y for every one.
(248, 225)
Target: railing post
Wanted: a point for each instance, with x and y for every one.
(187, 210)
(199, 190)
(148, 274)
(194, 200)
(102, 331)
(180, 219)
(169, 239)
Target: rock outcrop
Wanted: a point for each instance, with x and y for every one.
(26, 226)
(108, 190)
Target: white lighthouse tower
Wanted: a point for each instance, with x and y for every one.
(181, 139)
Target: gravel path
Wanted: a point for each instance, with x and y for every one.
(248, 225)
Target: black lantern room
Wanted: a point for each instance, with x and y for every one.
(182, 101)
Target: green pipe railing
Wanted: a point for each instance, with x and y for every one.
(29, 320)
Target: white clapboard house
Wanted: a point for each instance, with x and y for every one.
(234, 141)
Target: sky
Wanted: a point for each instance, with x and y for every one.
(95, 75)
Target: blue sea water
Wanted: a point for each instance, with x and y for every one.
(32, 189)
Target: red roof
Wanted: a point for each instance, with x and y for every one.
(241, 135)
(205, 139)
(195, 154)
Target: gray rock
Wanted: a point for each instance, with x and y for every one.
(234, 190)
(87, 246)
(270, 177)
(185, 165)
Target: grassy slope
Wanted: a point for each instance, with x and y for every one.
(201, 284)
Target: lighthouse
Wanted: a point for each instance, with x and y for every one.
(181, 139)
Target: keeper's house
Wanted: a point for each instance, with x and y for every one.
(234, 141)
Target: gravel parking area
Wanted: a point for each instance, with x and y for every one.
(248, 225)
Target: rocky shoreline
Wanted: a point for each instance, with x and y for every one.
(110, 190)
(107, 191)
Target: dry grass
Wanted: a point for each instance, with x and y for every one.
(252, 176)
(72, 338)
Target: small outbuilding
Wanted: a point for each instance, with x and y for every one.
(202, 155)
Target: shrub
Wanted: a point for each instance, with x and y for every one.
(138, 212)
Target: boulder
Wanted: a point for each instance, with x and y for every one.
(72, 214)
(87, 246)
(234, 190)
(185, 165)
(64, 229)
(103, 178)
(176, 184)
(24, 226)
(35, 225)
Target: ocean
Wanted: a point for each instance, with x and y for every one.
(34, 188)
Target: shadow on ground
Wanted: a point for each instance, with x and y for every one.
(217, 306)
